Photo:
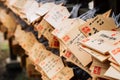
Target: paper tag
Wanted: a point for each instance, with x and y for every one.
(45, 29)
(102, 41)
(53, 42)
(98, 23)
(8, 21)
(81, 55)
(112, 60)
(113, 73)
(116, 66)
(31, 12)
(57, 15)
(11, 2)
(42, 27)
(51, 65)
(117, 43)
(44, 76)
(115, 53)
(95, 54)
(71, 33)
(65, 74)
(38, 53)
(45, 8)
(70, 36)
(64, 27)
(48, 31)
(72, 58)
(27, 5)
(71, 39)
(19, 3)
(98, 68)
(25, 39)
(74, 42)
(68, 54)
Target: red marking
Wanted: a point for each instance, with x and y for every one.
(66, 38)
(97, 70)
(56, 43)
(115, 51)
(116, 43)
(39, 27)
(68, 54)
(113, 34)
(85, 40)
(86, 29)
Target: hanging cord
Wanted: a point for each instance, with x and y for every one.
(116, 19)
(89, 14)
(75, 10)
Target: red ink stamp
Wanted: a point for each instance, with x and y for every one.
(86, 29)
(39, 27)
(115, 51)
(85, 40)
(68, 54)
(66, 38)
(97, 70)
